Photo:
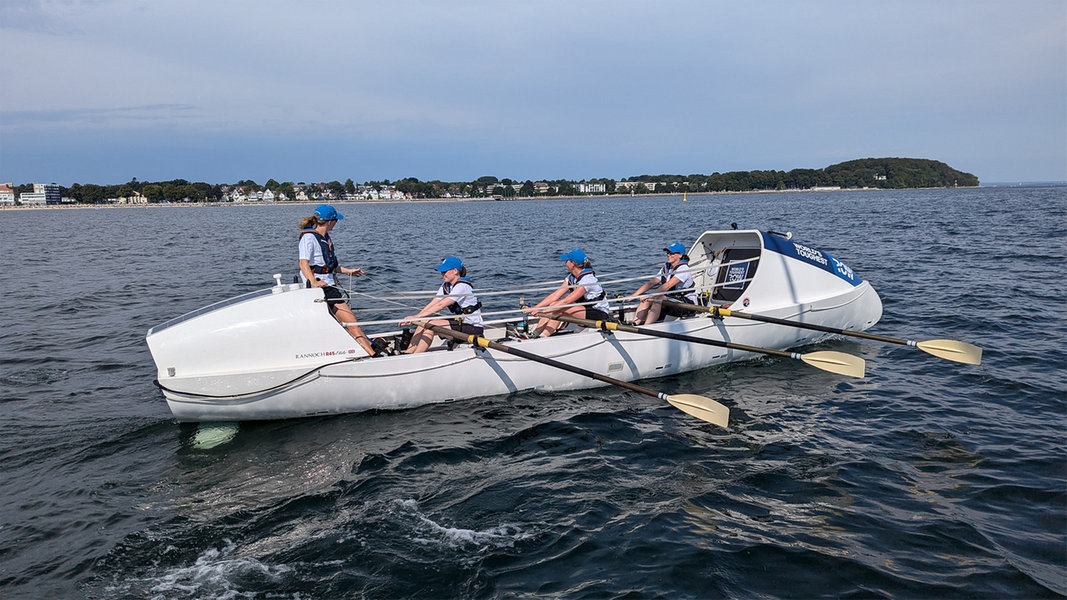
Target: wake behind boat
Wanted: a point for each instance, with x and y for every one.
(277, 353)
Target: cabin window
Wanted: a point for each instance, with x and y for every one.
(732, 280)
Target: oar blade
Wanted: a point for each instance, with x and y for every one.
(836, 362)
(952, 350)
(701, 407)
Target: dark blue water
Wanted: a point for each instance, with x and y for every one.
(926, 478)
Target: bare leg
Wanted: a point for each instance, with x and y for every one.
(346, 317)
(642, 311)
(654, 310)
(547, 327)
(421, 339)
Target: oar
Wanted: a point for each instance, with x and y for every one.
(834, 362)
(946, 349)
(697, 406)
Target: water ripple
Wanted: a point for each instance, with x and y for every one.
(926, 478)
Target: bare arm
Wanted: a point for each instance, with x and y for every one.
(305, 270)
(432, 308)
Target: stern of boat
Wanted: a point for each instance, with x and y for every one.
(249, 343)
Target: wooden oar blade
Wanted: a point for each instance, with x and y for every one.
(836, 362)
(701, 407)
(952, 350)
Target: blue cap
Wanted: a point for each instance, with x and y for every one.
(575, 256)
(449, 263)
(328, 213)
(675, 247)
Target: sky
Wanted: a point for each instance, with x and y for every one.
(105, 91)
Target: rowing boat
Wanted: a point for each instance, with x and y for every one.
(278, 354)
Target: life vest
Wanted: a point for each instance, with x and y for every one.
(683, 291)
(455, 308)
(327, 252)
(669, 271)
(572, 281)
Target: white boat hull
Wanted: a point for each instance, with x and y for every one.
(280, 355)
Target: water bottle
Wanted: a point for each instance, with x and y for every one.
(525, 317)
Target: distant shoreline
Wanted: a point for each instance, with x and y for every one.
(432, 200)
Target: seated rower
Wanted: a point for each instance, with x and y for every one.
(673, 275)
(579, 286)
(457, 295)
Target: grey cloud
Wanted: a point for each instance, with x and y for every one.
(147, 112)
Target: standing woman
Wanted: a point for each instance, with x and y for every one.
(580, 285)
(457, 295)
(673, 275)
(318, 263)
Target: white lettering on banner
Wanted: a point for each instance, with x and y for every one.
(810, 254)
(843, 269)
(735, 277)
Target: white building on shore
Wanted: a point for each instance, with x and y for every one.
(7, 194)
(134, 198)
(43, 193)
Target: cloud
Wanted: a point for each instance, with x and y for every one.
(576, 86)
(52, 17)
(106, 117)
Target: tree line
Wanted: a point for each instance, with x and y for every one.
(882, 173)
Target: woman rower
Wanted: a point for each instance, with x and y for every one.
(318, 263)
(579, 287)
(457, 295)
(673, 275)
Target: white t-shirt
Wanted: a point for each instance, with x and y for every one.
(311, 251)
(685, 280)
(593, 289)
(463, 294)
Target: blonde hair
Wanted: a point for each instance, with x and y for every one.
(309, 222)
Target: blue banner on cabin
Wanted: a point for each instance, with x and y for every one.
(736, 276)
(810, 255)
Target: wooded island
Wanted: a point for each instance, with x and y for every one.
(867, 173)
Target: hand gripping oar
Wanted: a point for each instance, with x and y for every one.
(697, 406)
(946, 349)
(834, 362)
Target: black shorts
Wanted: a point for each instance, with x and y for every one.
(595, 314)
(333, 295)
(465, 328)
(676, 312)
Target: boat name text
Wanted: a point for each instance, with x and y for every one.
(810, 253)
(326, 353)
(844, 269)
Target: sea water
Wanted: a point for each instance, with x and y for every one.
(926, 478)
